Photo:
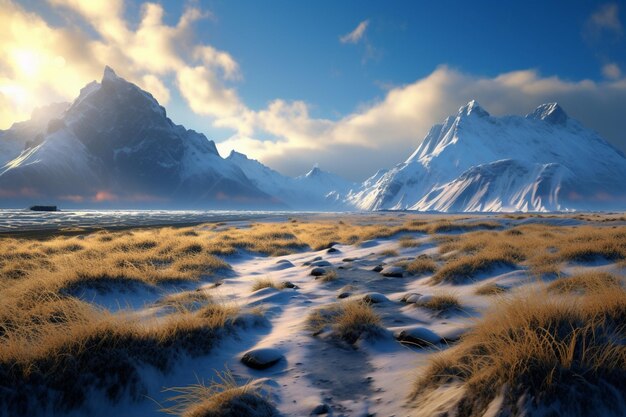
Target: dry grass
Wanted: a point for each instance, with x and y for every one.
(54, 350)
(585, 282)
(441, 303)
(388, 253)
(349, 321)
(224, 397)
(408, 242)
(540, 248)
(329, 276)
(540, 347)
(421, 265)
(490, 288)
(261, 283)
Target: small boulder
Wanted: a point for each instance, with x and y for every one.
(392, 271)
(332, 250)
(344, 294)
(320, 409)
(418, 336)
(318, 272)
(349, 259)
(262, 358)
(288, 284)
(321, 263)
(377, 268)
(374, 298)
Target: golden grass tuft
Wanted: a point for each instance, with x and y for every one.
(388, 252)
(329, 276)
(348, 320)
(585, 282)
(490, 288)
(441, 303)
(423, 264)
(261, 283)
(408, 242)
(541, 347)
(224, 397)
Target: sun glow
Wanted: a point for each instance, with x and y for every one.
(28, 62)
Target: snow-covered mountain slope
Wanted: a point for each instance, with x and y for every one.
(115, 144)
(317, 190)
(475, 162)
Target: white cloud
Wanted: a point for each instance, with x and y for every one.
(356, 35)
(612, 71)
(387, 131)
(43, 63)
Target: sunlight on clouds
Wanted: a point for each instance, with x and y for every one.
(46, 64)
(387, 131)
(205, 94)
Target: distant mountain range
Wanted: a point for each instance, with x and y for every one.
(114, 146)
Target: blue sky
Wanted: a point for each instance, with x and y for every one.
(279, 84)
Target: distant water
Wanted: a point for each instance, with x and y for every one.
(15, 221)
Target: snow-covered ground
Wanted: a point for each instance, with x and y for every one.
(374, 377)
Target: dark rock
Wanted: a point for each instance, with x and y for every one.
(320, 409)
(343, 295)
(321, 263)
(392, 271)
(418, 336)
(377, 268)
(262, 358)
(374, 298)
(317, 272)
(332, 250)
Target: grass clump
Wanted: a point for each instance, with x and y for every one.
(329, 276)
(490, 288)
(540, 348)
(348, 321)
(389, 252)
(421, 265)
(440, 303)
(585, 282)
(222, 398)
(408, 242)
(462, 269)
(261, 283)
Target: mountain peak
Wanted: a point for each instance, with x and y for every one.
(473, 108)
(109, 75)
(234, 154)
(549, 112)
(315, 171)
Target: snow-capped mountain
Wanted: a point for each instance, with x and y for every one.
(316, 190)
(115, 145)
(475, 162)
